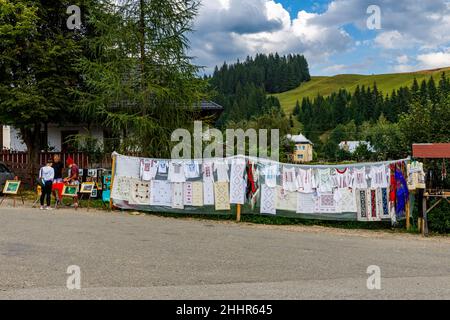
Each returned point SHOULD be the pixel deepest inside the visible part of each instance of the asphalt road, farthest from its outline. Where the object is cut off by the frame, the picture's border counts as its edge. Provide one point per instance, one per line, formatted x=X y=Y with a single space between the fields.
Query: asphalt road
x=144 y=257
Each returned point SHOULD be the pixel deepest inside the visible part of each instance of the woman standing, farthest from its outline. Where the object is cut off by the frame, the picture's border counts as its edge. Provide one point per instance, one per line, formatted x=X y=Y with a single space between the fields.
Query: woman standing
x=47 y=174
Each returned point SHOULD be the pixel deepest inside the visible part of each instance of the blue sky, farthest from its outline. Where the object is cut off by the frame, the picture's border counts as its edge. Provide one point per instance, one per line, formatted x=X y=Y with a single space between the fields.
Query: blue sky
x=333 y=35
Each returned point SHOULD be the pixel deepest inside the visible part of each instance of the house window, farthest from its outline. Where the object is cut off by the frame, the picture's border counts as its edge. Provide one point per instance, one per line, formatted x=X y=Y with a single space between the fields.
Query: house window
x=300 y=157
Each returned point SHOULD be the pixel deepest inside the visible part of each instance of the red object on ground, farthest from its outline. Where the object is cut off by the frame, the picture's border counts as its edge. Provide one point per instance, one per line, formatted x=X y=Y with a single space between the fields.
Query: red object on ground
x=432 y=151
x=59 y=188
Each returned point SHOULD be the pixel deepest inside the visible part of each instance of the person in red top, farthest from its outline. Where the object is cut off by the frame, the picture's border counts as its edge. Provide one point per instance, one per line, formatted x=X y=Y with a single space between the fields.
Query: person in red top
x=74 y=176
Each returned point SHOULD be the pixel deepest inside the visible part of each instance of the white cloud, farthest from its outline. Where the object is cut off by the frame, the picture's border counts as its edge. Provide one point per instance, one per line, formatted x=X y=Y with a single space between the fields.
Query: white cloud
x=232 y=29
x=434 y=60
x=403 y=59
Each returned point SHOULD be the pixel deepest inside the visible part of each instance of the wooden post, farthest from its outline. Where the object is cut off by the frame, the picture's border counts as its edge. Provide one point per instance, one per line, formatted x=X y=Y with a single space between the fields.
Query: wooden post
x=425 y=217
x=113 y=173
x=238 y=213
x=408 y=215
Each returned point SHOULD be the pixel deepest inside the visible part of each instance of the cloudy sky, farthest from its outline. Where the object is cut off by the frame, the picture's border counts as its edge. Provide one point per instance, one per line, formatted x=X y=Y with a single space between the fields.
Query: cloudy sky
x=333 y=35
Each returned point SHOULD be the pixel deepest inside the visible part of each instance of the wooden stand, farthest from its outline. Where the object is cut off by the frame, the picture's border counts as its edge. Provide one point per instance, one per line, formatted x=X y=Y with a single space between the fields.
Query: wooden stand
x=408 y=215
x=14 y=199
x=113 y=173
x=238 y=213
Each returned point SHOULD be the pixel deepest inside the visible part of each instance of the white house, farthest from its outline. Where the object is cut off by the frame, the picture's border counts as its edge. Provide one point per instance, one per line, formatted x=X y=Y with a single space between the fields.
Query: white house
x=351 y=146
x=57 y=139
x=303 y=150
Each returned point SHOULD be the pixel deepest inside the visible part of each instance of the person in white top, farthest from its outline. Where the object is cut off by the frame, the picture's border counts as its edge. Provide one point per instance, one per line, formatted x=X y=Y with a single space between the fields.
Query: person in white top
x=47 y=175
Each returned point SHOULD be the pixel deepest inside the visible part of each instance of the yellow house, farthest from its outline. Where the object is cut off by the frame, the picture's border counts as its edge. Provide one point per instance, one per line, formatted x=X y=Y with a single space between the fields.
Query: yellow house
x=303 y=150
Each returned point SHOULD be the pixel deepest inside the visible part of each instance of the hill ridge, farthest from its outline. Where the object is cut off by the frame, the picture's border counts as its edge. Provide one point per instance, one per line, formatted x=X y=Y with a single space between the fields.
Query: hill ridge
x=326 y=85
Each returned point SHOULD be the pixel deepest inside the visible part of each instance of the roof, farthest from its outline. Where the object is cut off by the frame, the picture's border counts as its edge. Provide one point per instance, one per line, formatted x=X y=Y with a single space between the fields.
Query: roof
x=209 y=105
x=299 y=139
x=432 y=151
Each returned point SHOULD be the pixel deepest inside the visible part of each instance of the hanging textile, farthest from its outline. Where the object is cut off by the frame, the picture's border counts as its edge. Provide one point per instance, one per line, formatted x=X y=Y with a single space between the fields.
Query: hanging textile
x=207 y=170
x=345 y=199
x=383 y=203
x=161 y=193
x=163 y=167
x=139 y=193
x=208 y=193
x=402 y=193
x=325 y=184
x=271 y=173
x=379 y=177
x=177 y=196
x=306 y=203
x=148 y=170
x=326 y=203
x=416 y=176
x=306 y=181
x=342 y=178
x=286 y=200
x=373 y=205
x=289 y=179
x=197 y=191
x=359 y=179
x=362 y=202
x=237 y=182
x=268 y=200
x=121 y=189
x=176 y=172
x=222 y=197
x=252 y=183
x=191 y=170
x=188 y=193
x=221 y=168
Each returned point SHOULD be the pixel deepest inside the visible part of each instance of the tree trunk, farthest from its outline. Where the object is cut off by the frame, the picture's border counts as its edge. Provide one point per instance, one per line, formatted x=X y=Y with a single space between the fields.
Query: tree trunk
x=31 y=139
x=142 y=49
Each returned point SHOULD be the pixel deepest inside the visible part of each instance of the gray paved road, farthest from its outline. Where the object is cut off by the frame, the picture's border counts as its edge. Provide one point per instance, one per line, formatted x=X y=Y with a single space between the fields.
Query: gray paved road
x=145 y=257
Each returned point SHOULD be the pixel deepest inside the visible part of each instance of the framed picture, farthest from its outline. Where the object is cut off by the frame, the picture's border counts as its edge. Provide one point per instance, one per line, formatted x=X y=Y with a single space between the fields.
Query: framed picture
x=87 y=187
x=92 y=173
x=94 y=193
x=70 y=191
x=11 y=187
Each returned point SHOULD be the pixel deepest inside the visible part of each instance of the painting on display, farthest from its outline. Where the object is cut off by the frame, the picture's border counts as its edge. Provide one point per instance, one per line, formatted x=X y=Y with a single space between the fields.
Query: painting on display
x=11 y=187
x=70 y=191
x=87 y=187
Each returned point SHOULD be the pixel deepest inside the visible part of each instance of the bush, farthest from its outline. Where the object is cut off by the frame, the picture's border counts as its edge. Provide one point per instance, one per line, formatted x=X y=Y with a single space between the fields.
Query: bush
x=439 y=218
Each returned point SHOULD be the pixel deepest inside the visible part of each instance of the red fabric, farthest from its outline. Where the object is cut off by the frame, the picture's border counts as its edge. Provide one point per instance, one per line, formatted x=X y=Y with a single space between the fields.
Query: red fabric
x=58 y=187
x=251 y=180
x=393 y=184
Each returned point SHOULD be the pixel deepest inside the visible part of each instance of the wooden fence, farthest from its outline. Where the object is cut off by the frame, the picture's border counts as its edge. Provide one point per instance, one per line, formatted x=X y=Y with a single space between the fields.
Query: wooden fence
x=18 y=162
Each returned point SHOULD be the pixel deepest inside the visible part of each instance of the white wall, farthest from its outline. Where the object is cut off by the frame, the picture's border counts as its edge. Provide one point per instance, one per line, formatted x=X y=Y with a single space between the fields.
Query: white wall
x=12 y=141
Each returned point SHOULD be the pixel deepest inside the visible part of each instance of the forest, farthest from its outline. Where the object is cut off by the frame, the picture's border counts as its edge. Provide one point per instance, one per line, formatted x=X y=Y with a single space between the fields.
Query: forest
x=392 y=123
x=242 y=88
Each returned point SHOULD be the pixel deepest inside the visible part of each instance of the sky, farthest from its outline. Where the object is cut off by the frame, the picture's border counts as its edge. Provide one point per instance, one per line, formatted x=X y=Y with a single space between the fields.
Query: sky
x=336 y=37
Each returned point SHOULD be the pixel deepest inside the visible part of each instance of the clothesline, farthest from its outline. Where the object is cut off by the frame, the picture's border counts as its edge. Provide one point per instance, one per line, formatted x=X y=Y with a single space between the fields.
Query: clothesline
x=269 y=161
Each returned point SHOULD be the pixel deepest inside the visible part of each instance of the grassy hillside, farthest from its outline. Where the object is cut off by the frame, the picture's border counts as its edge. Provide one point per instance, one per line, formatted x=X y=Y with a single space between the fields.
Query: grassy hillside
x=327 y=85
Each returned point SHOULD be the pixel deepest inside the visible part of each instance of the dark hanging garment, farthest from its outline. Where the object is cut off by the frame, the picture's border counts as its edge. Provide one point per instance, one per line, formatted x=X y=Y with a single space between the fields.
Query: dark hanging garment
x=402 y=193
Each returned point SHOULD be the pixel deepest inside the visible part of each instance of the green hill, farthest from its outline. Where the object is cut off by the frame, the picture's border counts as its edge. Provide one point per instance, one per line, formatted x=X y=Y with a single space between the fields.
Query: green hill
x=327 y=85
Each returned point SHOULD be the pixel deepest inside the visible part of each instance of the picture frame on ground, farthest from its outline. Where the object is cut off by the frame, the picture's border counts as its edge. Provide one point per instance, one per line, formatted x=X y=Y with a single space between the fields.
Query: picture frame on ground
x=87 y=187
x=12 y=187
x=70 y=191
